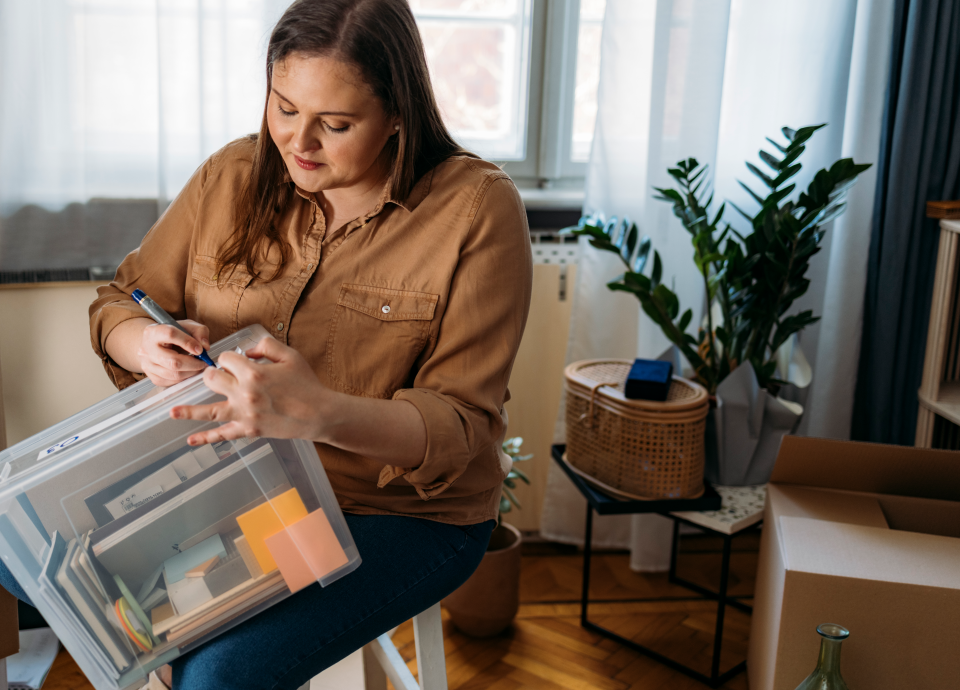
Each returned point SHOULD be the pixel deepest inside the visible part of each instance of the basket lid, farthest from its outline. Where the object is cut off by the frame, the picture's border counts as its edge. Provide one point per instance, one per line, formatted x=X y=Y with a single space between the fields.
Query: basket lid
x=586 y=374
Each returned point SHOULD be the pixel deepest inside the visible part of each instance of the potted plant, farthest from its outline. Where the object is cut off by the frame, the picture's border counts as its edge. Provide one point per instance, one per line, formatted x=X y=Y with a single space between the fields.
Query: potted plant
x=743 y=350
x=488 y=601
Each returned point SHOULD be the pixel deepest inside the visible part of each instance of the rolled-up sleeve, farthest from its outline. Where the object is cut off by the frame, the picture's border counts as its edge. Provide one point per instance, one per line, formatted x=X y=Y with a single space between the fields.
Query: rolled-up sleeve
x=462 y=386
x=158 y=267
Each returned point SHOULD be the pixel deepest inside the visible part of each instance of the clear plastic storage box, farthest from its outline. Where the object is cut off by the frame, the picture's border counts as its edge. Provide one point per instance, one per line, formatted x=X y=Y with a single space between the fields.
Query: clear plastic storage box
x=137 y=548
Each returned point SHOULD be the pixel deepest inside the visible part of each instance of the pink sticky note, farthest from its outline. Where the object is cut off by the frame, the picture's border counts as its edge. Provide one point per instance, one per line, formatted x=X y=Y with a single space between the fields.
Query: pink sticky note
x=306 y=550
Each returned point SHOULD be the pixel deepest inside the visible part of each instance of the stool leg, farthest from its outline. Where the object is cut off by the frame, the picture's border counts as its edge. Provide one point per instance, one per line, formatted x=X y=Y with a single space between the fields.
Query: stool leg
x=374 y=677
x=721 y=609
x=431 y=662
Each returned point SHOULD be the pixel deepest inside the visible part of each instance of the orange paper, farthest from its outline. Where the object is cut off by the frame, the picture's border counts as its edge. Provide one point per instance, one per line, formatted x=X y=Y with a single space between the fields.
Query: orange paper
x=268 y=519
x=306 y=550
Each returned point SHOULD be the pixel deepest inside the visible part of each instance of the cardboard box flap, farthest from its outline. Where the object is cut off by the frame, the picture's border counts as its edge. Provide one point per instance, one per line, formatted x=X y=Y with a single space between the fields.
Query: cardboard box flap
x=868 y=467
x=925 y=515
x=820 y=504
x=869 y=553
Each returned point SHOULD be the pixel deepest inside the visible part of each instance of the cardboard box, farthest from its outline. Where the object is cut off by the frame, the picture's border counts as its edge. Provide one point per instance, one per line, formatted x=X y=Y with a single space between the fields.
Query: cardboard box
x=866 y=536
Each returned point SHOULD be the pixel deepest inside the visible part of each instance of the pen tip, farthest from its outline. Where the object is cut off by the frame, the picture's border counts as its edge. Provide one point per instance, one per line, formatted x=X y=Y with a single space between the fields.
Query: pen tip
x=138 y=295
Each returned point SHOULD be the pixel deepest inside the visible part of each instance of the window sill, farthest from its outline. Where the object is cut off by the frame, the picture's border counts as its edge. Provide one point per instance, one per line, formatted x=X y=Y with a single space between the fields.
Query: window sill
x=536 y=198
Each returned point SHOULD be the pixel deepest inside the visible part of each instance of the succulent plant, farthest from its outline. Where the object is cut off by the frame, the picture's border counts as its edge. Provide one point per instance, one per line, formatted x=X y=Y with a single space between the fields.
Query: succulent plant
x=507 y=499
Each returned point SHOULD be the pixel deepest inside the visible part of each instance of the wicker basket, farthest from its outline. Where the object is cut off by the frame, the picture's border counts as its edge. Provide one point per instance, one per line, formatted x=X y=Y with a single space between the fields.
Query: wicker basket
x=645 y=448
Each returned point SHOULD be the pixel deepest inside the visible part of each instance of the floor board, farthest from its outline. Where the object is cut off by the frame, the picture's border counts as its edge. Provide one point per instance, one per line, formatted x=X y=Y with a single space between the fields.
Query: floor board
x=546 y=649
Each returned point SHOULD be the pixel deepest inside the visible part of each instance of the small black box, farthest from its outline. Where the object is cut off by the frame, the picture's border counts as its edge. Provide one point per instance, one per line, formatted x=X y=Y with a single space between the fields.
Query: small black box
x=649 y=379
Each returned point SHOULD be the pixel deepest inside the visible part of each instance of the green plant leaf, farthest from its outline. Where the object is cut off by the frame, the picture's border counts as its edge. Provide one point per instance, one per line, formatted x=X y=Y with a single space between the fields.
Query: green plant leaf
x=777 y=146
x=685 y=320
x=776 y=197
x=770 y=160
x=756 y=197
x=697 y=174
x=792 y=155
x=631 y=242
x=643 y=252
x=767 y=180
x=622 y=287
x=514 y=472
x=657 y=269
x=512 y=497
x=786 y=174
x=669 y=300
x=804 y=133
x=636 y=279
x=669 y=195
x=742 y=213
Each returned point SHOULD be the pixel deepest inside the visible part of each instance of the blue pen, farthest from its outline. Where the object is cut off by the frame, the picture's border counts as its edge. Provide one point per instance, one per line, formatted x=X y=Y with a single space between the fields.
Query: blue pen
x=160 y=316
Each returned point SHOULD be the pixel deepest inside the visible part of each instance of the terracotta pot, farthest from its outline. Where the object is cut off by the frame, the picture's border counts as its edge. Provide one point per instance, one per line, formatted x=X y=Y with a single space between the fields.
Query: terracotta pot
x=486 y=603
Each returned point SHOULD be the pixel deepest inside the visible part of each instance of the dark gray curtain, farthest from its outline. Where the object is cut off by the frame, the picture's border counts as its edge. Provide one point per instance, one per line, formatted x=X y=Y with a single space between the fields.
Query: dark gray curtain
x=919 y=161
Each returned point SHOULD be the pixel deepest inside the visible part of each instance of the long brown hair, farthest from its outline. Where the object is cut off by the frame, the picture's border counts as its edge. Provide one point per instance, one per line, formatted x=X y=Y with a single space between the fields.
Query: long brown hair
x=380 y=38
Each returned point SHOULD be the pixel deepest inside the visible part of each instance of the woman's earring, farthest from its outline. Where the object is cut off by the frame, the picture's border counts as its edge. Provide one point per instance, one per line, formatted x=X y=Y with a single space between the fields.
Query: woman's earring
x=397 y=127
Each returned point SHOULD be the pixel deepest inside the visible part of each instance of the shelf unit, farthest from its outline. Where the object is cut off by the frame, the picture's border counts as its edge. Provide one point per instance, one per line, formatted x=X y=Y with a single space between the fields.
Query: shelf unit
x=938 y=420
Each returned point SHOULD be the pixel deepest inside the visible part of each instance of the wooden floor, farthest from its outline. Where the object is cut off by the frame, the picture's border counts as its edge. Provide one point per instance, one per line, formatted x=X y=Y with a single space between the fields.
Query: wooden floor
x=546 y=649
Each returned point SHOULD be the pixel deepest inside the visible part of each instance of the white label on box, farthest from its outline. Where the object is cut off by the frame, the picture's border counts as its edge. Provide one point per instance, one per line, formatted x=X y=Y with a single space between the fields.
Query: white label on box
x=164 y=479
x=133 y=500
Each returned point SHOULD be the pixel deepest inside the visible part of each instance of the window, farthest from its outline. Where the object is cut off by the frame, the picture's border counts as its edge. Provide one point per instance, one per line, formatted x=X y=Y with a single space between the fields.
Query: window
x=479 y=59
x=112 y=104
x=516 y=80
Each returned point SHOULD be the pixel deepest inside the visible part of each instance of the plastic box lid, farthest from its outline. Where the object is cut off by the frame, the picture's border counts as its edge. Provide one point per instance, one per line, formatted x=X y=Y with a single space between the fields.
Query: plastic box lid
x=137 y=548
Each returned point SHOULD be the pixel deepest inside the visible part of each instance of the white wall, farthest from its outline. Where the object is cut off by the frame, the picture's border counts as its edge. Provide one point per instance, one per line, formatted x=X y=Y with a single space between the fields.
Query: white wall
x=48 y=368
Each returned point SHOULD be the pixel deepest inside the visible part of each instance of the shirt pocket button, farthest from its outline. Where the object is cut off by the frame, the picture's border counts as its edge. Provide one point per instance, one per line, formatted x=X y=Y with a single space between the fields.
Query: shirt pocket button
x=385 y=308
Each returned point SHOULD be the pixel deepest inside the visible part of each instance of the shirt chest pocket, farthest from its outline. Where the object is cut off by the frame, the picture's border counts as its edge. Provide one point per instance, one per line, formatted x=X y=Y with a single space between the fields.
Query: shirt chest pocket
x=376 y=337
x=217 y=298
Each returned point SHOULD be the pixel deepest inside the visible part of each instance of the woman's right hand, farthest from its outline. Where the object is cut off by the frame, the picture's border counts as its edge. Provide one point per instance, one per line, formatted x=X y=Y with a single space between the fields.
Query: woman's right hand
x=165 y=352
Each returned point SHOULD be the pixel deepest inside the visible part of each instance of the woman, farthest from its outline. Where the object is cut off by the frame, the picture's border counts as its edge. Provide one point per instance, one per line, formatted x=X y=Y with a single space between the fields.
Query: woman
x=394 y=272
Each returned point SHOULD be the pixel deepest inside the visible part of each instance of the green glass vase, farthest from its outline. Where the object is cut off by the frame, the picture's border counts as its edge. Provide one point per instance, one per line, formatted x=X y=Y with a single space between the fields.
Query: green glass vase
x=826 y=676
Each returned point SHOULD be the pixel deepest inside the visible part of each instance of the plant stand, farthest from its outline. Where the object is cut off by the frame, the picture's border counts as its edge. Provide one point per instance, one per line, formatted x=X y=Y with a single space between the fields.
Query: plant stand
x=686 y=511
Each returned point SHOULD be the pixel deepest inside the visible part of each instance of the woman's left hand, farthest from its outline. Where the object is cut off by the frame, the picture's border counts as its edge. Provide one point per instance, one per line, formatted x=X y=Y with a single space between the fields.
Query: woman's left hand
x=277 y=398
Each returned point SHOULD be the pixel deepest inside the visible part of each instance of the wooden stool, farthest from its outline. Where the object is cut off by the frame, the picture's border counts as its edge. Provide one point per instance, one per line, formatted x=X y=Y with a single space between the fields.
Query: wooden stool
x=381 y=660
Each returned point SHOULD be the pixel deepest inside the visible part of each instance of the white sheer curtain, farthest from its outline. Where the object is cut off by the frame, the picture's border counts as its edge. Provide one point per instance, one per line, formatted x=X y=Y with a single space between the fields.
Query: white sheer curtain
x=124 y=98
x=710 y=79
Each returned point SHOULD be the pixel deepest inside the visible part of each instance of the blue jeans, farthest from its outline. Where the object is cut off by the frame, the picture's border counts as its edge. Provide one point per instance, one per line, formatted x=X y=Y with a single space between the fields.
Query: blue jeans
x=409 y=564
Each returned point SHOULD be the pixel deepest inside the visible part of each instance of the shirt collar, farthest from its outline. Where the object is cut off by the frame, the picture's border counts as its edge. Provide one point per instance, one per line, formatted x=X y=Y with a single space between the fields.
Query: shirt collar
x=416 y=196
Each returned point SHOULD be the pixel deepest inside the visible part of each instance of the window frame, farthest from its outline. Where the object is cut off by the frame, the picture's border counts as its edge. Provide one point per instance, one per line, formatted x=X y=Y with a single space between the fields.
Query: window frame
x=550 y=101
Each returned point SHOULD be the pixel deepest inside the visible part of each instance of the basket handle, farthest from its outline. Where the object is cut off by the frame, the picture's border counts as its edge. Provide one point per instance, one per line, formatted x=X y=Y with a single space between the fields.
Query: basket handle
x=588 y=415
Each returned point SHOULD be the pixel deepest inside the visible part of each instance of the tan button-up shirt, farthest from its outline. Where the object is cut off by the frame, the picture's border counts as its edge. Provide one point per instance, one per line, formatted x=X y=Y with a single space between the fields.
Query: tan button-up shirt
x=423 y=299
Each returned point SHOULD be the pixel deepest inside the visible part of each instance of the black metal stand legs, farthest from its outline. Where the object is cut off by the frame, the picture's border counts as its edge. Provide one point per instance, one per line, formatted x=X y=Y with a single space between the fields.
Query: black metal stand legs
x=715 y=679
